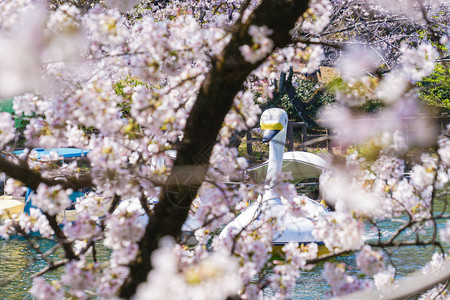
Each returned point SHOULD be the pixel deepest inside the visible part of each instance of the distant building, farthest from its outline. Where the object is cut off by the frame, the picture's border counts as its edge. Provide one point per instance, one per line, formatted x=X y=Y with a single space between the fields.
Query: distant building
x=323 y=75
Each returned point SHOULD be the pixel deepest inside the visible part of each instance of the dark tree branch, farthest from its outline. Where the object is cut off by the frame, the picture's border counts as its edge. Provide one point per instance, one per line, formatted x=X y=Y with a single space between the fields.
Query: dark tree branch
x=331 y=44
x=51 y=267
x=32 y=178
x=286 y=87
x=61 y=237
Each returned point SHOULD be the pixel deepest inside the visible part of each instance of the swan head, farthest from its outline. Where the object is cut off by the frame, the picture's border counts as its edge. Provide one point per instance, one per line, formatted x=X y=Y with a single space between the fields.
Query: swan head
x=273 y=121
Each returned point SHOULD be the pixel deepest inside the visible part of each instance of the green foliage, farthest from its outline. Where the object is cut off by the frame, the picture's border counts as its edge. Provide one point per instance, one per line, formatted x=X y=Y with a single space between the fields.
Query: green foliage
x=364 y=91
x=372 y=105
x=132 y=130
x=307 y=89
x=435 y=88
x=6 y=105
x=22 y=122
x=119 y=90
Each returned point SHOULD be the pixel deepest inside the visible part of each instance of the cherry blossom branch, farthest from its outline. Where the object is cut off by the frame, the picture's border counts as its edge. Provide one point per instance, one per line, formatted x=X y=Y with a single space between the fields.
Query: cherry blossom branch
x=242 y=230
x=36 y=248
x=143 y=201
x=328 y=256
x=314 y=41
x=434 y=37
x=407 y=244
x=61 y=237
x=375 y=22
x=179 y=84
x=112 y=208
x=228 y=72
x=383 y=245
x=52 y=267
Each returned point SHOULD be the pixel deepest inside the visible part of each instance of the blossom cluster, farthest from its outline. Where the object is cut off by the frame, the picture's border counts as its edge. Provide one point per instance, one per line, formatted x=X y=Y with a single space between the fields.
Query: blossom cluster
x=34 y=222
x=317 y=16
x=7 y=130
x=371 y=262
x=124 y=228
x=43 y=290
x=285 y=272
x=52 y=200
x=340 y=231
x=202 y=280
x=262 y=44
x=341 y=283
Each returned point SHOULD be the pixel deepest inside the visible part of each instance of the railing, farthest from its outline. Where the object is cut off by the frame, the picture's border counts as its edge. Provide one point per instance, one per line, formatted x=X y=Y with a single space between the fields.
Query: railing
x=410 y=286
x=308 y=139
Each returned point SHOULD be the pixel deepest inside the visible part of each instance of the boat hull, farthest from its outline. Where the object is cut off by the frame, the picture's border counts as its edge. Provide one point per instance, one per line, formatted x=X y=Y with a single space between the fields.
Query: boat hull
x=11 y=206
x=277 y=249
x=301 y=165
x=294 y=228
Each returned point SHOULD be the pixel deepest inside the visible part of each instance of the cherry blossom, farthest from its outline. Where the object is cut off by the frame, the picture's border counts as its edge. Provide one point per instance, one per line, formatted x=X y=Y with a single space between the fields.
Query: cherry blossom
x=341 y=283
x=43 y=290
x=419 y=62
x=438 y=293
x=51 y=199
x=262 y=45
x=437 y=261
x=370 y=261
x=340 y=231
x=317 y=17
x=199 y=281
x=78 y=276
x=385 y=278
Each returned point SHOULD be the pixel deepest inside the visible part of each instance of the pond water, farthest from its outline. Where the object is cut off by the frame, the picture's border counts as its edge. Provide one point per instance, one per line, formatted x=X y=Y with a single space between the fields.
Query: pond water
x=16 y=265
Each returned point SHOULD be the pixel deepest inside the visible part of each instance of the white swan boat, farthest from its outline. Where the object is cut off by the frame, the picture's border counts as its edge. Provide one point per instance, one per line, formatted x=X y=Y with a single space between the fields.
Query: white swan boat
x=303 y=166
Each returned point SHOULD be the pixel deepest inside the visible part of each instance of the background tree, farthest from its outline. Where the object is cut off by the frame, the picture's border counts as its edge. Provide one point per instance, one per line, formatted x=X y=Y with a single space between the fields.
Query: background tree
x=301 y=102
x=435 y=88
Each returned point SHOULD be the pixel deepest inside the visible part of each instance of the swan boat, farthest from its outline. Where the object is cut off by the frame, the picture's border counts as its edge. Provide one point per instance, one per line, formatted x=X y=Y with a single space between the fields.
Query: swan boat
x=303 y=166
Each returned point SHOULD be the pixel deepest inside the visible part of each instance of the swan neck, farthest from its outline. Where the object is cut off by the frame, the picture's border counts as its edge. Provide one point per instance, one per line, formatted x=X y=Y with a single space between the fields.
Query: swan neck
x=276 y=151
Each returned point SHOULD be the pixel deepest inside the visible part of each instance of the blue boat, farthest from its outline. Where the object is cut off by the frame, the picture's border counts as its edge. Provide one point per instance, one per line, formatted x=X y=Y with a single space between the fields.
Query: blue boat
x=13 y=205
x=62 y=152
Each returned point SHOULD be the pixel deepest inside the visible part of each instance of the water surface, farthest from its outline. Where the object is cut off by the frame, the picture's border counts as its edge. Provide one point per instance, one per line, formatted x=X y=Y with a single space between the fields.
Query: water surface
x=18 y=262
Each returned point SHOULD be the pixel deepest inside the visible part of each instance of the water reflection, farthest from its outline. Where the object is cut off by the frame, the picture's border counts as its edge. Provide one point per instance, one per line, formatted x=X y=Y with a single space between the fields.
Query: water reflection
x=311 y=285
x=18 y=262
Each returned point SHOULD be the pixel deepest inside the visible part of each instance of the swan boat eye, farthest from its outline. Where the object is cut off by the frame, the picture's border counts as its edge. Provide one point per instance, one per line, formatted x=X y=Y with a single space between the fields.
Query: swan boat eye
x=268 y=135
